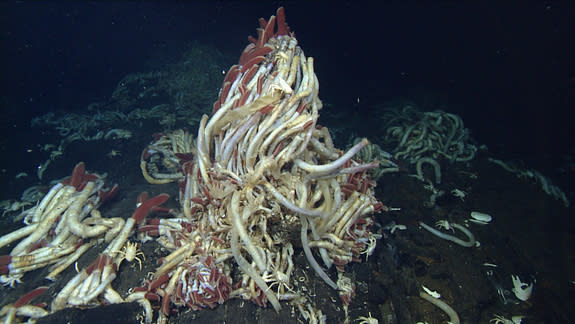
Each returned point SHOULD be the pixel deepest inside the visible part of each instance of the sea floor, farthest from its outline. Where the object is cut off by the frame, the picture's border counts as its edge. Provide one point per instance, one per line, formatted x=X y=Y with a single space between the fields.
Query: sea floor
x=531 y=235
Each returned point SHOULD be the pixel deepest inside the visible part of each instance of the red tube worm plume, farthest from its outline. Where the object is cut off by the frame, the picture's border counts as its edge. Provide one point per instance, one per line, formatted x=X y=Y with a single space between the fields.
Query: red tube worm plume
x=141 y=198
x=5 y=261
x=145 y=205
x=254 y=53
x=29 y=296
x=101 y=261
x=107 y=194
x=156 y=283
x=79 y=177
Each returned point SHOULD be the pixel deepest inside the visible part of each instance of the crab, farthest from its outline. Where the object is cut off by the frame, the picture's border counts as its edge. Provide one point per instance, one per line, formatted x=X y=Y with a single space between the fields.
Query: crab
x=370 y=247
x=114 y=153
x=281 y=280
x=282 y=86
x=281 y=272
x=8 y=206
x=367 y=320
x=130 y=253
x=444 y=224
x=459 y=194
x=11 y=279
x=498 y=319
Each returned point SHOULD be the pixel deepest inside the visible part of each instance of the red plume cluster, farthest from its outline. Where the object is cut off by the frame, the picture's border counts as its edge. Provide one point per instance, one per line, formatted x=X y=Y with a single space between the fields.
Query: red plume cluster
x=255 y=52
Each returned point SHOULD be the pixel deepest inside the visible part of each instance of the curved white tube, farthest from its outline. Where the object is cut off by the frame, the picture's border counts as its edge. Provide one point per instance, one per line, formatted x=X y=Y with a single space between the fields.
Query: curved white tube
x=453 y=317
x=452 y=238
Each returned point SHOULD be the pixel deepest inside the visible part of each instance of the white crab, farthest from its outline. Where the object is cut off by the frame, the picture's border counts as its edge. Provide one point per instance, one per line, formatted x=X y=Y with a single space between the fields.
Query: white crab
x=12 y=206
x=370 y=246
x=282 y=86
x=130 y=253
x=444 y=224
x=367 y=320
x=281 y=280
x=11 y=279
x=459 y=194
x=114 y=153
x=498 y=319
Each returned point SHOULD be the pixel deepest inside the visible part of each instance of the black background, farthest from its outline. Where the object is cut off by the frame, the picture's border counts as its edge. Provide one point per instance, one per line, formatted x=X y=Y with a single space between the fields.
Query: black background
x=506 y=68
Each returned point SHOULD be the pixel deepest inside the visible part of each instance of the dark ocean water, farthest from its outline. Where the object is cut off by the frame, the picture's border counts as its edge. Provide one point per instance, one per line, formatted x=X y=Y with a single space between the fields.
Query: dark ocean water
x=507 y=69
